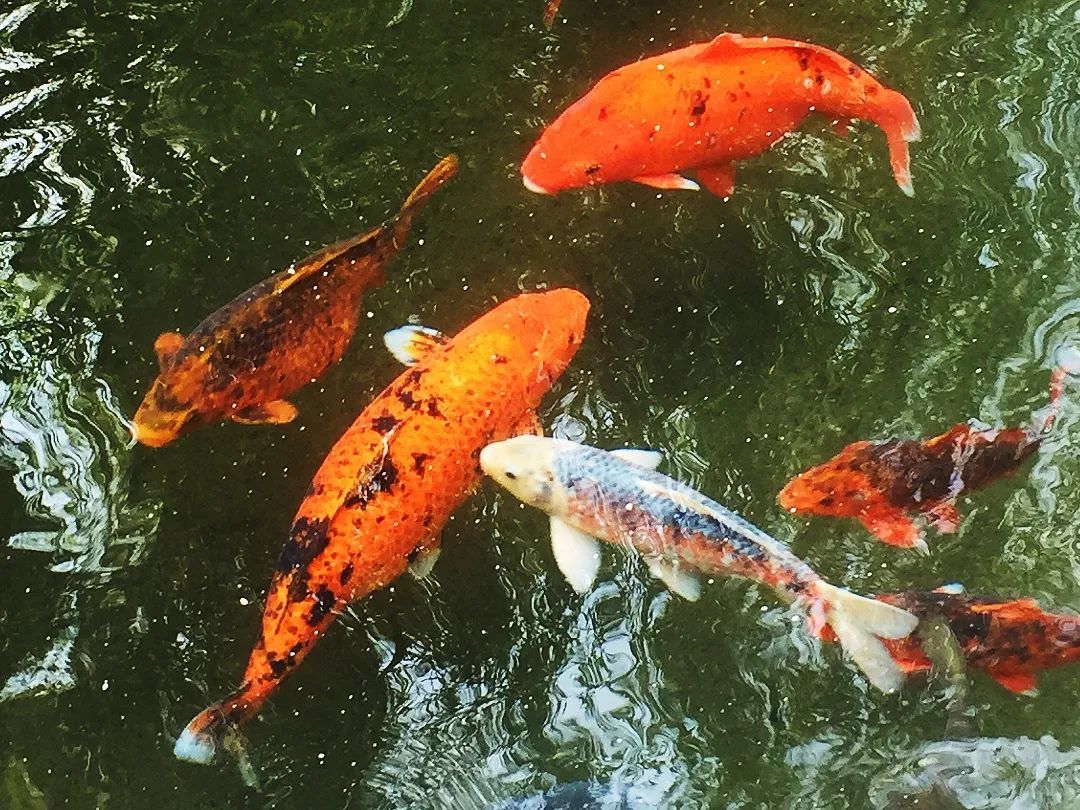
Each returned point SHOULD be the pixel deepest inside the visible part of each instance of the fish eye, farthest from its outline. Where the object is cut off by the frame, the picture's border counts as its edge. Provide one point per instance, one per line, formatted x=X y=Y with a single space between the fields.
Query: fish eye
x=511 y=476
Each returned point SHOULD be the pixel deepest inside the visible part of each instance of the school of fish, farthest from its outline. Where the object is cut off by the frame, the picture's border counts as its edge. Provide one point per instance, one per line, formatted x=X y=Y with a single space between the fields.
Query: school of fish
x=466 y=406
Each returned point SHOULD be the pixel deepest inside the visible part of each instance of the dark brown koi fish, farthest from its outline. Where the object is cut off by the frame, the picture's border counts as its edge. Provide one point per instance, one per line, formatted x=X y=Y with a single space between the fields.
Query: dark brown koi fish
x=276 y=337
x=1009 y=640
x=883 y=483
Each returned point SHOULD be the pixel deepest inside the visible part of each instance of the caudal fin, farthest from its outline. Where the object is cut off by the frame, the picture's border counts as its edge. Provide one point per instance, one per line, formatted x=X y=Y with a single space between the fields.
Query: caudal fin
x=860 y=623
x=200 y=740
x=432 y=182
x=893 y=113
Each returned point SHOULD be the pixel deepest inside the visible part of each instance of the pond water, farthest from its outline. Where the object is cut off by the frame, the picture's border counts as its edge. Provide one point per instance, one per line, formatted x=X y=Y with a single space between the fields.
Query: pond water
x=157 y=158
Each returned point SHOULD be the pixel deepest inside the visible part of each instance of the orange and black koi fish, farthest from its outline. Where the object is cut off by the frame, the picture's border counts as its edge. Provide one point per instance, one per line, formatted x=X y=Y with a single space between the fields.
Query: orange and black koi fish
x=276 y=337
x=883 y=483
x=384 y=491
x=1009 y=640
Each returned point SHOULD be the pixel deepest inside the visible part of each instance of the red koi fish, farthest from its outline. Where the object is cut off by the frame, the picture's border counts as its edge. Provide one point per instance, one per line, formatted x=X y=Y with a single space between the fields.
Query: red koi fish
x=551 y=8
x=273 y=339
x=383 y=493
x=702 y=108
x=1009 y=640
x=883 y=483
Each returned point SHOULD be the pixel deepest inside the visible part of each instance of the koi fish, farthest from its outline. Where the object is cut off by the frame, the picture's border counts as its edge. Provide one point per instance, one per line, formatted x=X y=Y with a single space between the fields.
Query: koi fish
x=381 y=497
x=551 y=8
x=618 y=497
x=1009 y=640
x=883 y=483
x=702 y=108
x=276 y=337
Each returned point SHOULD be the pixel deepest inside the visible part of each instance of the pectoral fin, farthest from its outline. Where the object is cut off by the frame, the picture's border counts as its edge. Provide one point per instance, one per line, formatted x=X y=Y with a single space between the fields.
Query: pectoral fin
x=1019 y=681
x=892 y=526
x=166 y=345
x=424 y=561
x=719 y=179
x=411 y=344
x=944 y=517
x=576 y=553
x=649 y=459
x=679 y=580
x=278 y=412
x=668 y=182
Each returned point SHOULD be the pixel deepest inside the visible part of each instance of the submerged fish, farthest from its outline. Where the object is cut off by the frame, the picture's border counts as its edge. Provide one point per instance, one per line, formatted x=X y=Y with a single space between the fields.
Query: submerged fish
x=551 y=8
x=883 y=483
x=1009 y=640
x=274 y=338
x=618 y=497
x=702 y=108
x=384 y=491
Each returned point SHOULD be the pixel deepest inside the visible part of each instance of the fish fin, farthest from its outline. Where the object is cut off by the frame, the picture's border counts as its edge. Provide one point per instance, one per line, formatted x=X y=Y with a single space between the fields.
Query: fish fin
x=432 y=182
x=277 y=412
x=421 y=567
x=841 y=127
x=679 y=580
x=944 y=517
x=1015 y=680
x=890 y=525
x=528 y=425
x=411 y=344
x=953 y=588
x=724 y=46
x=719 y=179
x=577 y=554
x=680 y=498
x=668 y=182
x=860 y=623
x=201 y=739
x=649 y=459
x=166 y=346
x=892 y=112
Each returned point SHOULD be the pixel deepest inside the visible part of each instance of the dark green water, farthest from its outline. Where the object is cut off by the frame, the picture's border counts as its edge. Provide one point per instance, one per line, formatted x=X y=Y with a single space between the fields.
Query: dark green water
x=158 y=158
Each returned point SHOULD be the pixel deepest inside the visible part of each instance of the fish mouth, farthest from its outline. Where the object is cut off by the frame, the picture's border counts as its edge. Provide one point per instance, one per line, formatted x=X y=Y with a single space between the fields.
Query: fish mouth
x=149 y=436
x=535 y=188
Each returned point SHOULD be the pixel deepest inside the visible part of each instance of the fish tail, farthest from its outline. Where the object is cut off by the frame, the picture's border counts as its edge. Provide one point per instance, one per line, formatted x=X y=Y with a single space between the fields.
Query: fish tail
x=432 y=182
x=892 y=112
x=860 y=623
x=1058 y=377
x=203 y=737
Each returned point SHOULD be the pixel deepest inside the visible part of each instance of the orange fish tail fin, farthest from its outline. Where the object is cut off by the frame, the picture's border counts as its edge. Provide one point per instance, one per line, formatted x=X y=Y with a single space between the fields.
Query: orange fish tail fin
x=202 y=738
x=859 y=624
x=551 y=9
x=432 y=182
x=893 y=113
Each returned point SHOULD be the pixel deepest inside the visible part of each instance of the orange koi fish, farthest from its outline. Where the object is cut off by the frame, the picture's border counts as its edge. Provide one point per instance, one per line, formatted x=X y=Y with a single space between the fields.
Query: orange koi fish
x=276 y=337
x=883 y=483
x=702 y=108
x=1009 y=640
x=383 y=493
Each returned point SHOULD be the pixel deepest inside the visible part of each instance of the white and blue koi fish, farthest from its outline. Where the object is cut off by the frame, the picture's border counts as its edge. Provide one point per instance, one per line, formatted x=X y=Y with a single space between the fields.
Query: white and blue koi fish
x=618 y=497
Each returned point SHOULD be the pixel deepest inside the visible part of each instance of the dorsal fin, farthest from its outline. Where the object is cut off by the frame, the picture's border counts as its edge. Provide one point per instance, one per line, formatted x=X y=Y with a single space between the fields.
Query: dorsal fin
x=410 y=344
x=727 y=45
x=313 y=264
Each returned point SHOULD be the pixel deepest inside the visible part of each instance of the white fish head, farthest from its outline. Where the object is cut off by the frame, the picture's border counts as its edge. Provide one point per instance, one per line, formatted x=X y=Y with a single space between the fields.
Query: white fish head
x=525 y=466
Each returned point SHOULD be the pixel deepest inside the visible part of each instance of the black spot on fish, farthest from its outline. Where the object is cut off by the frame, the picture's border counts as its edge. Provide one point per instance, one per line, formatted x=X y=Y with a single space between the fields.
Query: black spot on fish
x=346 y=574
x=419 y=460
x=819 y=78
x=499 y=359
x=307 y=541
x=384 y=423
x=277 y=666
x=381 y=481
x=406 y=398
x=603 y=114
x=164 y=400
x=433 y=409
x=324 y=603
x=591 y=170
x=853 y=71
x=828 y=500
x=708 y=83
x=699 y=100
x=413 y=555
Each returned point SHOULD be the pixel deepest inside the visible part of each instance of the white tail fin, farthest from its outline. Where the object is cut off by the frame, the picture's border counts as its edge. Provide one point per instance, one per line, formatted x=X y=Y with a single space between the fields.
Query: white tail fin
x=860 y=623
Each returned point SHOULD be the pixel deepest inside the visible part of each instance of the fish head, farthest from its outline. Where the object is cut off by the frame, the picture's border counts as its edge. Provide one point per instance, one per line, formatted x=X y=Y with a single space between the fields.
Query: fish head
x=590 y=143
x=542 y=332
x=837 y=488
x=525 y=466
x=162 y=417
